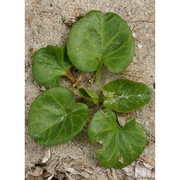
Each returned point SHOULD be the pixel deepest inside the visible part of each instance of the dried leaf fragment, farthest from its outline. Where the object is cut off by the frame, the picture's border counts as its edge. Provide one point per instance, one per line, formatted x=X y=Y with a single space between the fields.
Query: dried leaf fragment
x=121 y=159
x=38 y=171
x=141 y=171
x=47 y=156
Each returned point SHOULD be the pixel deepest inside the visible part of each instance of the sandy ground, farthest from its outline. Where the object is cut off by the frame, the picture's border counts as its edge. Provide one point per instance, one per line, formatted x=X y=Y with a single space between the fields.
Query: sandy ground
x=47 y=23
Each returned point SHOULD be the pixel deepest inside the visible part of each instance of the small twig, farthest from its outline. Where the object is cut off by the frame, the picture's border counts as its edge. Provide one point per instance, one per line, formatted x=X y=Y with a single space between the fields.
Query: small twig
x=76 y=84
x=128 y=73
x=71 y=77
x=75 y=81
x=148 y=160
x=142 y=21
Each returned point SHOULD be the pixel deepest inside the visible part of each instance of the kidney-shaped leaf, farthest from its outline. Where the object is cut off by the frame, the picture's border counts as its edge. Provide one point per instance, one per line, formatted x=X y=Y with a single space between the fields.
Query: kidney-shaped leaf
x=98 y=39
x=122 y=95
x=49 y=64
x=89 y=95
x=117 y=146
x=55 y=117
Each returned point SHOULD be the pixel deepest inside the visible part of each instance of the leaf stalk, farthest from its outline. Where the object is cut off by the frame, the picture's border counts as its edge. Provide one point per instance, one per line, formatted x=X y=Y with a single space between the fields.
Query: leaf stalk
x=99 y=73
x=70 y=76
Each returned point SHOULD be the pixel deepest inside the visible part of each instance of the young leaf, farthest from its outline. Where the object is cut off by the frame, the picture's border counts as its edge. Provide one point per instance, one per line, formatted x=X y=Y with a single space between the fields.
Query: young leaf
x=55 y=117
x=122 y=95
x=98 y=39
x=89 y=95
x=120 y=146
x=49 y=64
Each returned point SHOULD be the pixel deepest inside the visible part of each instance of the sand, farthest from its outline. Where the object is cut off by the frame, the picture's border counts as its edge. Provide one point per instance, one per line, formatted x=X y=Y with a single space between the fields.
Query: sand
x=47 y=23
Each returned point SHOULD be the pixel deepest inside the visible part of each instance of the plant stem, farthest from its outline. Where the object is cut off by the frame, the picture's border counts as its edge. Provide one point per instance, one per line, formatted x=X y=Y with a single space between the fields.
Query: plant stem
x=70 y=76
x=99 y=73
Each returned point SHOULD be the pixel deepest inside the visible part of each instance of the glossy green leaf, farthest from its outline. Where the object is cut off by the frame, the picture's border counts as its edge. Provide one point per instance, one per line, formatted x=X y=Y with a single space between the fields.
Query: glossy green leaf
x=123 y=95
x=98 y=39
x=89 y=95
x=118 y=146
x=55 y=117
x=49 y=64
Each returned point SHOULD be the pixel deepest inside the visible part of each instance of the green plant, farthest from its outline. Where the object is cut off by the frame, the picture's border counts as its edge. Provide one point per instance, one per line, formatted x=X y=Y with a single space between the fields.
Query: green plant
x=98 y=39
x=55 y=117
x=122 y=95
x=89 y=95
x=120 y=146
x=49 y=64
